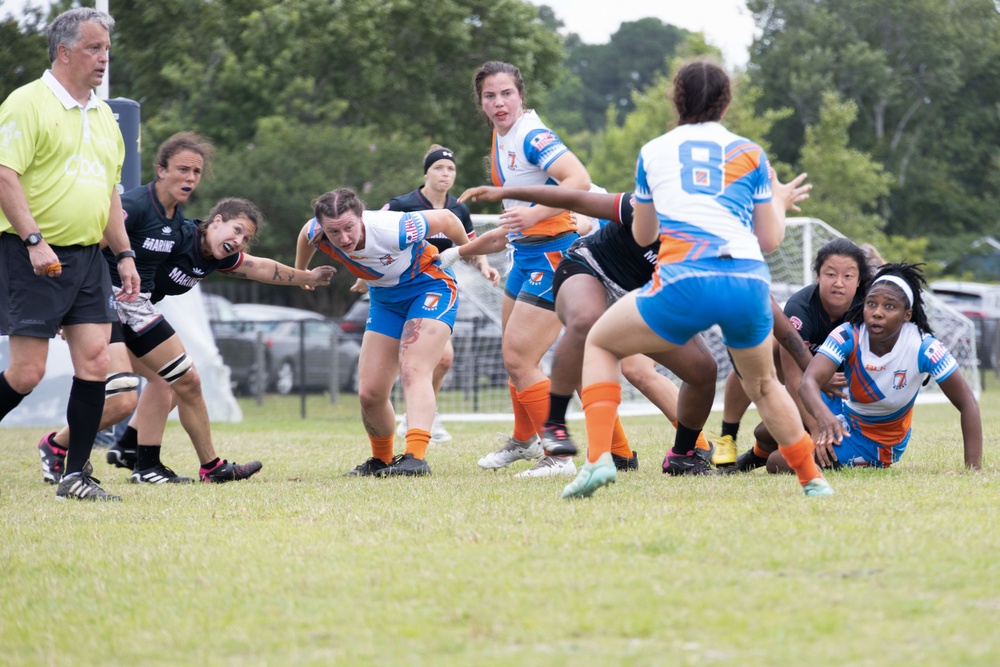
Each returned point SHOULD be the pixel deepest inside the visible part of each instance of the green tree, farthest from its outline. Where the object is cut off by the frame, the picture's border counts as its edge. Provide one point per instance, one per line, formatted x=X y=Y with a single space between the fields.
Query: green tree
x=25 y=52
x=612 y=162
x=289 y=163
x=847 y=183
x=921 y=73
x=603 y=75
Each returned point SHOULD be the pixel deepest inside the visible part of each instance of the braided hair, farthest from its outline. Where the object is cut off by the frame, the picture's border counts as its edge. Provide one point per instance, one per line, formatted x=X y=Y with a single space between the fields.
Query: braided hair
x=913 y=276
x=701 y=93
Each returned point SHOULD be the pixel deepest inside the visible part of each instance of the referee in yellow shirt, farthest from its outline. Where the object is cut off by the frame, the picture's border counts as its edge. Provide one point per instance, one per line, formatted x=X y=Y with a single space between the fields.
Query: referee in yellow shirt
x=61 y=156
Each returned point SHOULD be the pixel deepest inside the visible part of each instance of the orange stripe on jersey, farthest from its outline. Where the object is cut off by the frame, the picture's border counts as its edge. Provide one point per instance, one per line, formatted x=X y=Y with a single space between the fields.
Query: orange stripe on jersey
x=742 y=160
x=557 y=224
x=358 y=270
x=890 y=433
x=680 y=248
x=494 y=165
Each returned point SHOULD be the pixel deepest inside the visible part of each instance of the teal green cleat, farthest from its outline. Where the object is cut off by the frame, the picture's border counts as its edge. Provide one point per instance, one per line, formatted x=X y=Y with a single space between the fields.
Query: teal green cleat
x=591 y=477
x=817 y=487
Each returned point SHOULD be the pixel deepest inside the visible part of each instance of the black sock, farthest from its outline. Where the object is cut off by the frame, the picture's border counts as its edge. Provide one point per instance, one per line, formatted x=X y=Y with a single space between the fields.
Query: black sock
x=129 y=440
x=557 y=409
x=685 y=439
x=83 y=415
x=147 y=456
x=9 y=399
x=211 y=464
x=729 y=428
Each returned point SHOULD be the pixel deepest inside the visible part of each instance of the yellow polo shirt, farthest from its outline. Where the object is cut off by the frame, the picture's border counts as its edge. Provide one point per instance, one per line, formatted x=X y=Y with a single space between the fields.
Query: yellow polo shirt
x=69 y=158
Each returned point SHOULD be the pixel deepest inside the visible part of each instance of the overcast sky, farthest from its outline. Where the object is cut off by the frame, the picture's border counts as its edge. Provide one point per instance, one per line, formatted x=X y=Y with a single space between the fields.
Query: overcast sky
x=726 y=23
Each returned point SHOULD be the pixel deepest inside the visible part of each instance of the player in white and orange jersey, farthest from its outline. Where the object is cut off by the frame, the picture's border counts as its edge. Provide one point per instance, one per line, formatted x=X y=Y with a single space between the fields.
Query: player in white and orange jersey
x=413 y=306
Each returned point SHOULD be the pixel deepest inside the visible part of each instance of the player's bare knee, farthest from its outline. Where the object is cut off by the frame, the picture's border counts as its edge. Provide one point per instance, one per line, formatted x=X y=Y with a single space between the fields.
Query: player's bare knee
x=23 y=378
x=445 y=362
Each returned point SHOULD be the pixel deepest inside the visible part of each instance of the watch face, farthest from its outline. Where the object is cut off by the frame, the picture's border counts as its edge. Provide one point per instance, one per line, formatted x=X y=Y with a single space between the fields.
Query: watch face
x=33 y=239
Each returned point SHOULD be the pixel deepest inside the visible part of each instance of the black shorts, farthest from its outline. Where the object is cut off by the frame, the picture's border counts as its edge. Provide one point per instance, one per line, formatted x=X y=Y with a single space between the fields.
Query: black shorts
x=568 y=268
x=117 y=333
x=142 y=343
x=37 y=306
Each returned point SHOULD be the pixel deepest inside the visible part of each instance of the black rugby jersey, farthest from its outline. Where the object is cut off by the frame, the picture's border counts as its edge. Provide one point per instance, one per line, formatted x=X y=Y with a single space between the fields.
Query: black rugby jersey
x=416 y=201
x=151 y=233
x=629 y=265
x=806 y=312
x=187 y=266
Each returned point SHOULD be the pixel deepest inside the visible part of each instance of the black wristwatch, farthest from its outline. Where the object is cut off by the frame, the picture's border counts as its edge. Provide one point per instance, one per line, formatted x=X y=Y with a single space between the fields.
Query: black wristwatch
x=124 y=254
x=32 y=239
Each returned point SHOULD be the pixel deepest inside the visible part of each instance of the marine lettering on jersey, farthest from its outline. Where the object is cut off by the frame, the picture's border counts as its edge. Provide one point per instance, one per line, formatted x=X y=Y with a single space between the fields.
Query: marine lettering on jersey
x=650 y=257
x=181 y=278
x=158 y=245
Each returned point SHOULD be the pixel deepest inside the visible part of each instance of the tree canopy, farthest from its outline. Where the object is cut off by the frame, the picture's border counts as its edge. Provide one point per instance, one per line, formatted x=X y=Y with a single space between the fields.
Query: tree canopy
x=892 y=106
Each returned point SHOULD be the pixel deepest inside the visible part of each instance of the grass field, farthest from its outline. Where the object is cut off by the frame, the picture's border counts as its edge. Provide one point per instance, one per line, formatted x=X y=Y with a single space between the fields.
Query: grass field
x=300 y=565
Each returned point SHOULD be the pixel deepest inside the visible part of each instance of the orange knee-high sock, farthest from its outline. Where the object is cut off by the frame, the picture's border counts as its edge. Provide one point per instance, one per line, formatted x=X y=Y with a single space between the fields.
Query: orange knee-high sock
x=701 y=442
x=600 y=407
x=382 y=448
x=523 y=428
x=535 y=401
x=619 y=441
x=416 y=442
x=800 y=457
x=758 y=451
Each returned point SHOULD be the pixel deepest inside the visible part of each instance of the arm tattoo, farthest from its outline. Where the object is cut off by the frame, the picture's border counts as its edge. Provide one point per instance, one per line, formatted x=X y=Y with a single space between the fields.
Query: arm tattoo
x=798 y=350
x=277 y=277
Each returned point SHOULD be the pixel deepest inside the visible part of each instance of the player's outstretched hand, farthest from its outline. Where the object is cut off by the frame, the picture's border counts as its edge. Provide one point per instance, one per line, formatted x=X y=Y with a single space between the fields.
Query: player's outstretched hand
x=790 y=193
x=482 y=193
x=319 y=277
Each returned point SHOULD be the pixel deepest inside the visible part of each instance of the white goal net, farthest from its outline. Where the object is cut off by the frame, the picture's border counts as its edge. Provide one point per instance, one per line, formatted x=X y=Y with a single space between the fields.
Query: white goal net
x=476 y=386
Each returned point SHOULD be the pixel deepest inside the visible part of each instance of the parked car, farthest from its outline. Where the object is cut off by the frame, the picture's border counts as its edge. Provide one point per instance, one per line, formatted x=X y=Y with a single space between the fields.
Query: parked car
x=236 y=344
x=285 y=330
x=236 y=326
x=980 y=302
x=477 y=338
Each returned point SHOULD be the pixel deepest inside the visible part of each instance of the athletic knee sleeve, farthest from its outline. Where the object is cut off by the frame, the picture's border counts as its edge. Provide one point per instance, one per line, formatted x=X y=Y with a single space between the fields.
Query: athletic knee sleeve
x=119 y=383
x=173 y=371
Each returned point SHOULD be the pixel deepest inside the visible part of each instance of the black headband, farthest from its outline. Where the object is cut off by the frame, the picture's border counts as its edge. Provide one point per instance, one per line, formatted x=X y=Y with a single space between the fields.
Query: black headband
x=434 y=156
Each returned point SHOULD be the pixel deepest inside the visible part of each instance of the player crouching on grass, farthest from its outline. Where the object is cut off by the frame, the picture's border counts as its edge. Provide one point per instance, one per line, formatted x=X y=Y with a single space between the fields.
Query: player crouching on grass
x=889 y=352
x=414 y=302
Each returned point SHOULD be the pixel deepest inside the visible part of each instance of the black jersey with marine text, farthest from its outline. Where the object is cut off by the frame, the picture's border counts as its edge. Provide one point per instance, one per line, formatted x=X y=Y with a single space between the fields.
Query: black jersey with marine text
x=613 y=246
x=187 y=265
x=152 y=234
x=416 y=201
